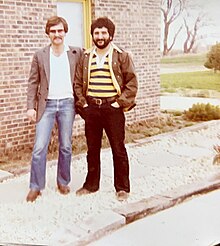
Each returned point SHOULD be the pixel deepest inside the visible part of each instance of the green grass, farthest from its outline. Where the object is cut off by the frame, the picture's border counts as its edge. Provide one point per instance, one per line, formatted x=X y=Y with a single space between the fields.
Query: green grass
x=193 y=80
x=197 y=59
x=201 y=80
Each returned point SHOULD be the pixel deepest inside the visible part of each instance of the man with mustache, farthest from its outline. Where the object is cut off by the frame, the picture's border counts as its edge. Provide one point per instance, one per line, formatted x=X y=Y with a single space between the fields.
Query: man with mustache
x=105 y=87
x=50 y=99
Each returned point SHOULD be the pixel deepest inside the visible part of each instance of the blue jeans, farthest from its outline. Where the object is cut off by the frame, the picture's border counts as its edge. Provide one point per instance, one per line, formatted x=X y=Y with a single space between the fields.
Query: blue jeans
x=62 y=111
x=112 y=120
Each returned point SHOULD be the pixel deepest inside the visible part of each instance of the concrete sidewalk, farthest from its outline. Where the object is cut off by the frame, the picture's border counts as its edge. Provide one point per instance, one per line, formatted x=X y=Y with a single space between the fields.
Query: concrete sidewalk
x=165 y=170
x=184 y=103
x=195 y=222
x=168 y=68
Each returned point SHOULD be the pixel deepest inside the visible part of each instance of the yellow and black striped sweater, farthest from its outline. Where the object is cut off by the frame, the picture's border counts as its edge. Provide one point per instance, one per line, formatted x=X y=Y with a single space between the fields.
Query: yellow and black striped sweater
x=100 y=84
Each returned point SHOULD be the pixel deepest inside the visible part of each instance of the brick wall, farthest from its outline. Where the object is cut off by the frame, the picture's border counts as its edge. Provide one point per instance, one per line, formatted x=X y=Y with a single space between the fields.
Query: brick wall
x=22 y=33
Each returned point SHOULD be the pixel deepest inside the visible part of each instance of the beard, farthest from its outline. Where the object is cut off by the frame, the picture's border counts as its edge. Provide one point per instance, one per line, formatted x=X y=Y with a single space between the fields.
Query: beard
x=104 y=45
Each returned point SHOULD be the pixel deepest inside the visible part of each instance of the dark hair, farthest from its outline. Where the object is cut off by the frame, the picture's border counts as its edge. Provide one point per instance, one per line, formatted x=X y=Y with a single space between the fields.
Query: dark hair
x=55 y=20
x=103 y=22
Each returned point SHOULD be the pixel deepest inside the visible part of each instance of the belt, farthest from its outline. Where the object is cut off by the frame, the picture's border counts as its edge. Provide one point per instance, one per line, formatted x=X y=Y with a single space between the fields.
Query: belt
x=100 y=101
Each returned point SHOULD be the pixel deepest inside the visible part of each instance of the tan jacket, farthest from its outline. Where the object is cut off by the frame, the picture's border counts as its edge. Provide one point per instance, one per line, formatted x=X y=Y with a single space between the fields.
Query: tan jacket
x=122 y=72
x=38 y=82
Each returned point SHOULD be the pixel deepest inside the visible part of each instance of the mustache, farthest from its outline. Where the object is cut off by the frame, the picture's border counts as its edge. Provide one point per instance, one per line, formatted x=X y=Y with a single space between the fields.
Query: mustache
x=57 y=38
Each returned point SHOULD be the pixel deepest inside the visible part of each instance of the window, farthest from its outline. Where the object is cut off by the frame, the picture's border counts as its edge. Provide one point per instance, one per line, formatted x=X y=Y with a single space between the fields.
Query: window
x=77 y=13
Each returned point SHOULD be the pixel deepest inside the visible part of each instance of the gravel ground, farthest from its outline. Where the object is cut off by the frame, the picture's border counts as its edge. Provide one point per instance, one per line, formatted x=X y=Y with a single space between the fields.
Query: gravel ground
x=156 y=167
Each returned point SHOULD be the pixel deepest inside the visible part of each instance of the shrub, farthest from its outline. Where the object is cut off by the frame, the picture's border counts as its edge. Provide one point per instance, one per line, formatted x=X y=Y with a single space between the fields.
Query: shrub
x=213 y=58
x=202 y=112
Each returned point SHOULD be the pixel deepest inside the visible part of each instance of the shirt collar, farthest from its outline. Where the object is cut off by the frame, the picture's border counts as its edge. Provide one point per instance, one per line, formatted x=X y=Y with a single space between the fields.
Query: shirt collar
x=65 y=49
x=94 y=52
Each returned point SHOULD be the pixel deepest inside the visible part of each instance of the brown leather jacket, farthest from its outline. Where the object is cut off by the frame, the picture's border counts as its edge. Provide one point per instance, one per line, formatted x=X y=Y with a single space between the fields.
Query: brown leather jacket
x=122 y=72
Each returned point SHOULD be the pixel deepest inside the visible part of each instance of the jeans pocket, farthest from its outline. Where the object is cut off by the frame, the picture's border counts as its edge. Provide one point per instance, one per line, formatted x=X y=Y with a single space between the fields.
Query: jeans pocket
x=82 y=111
x=70 y=100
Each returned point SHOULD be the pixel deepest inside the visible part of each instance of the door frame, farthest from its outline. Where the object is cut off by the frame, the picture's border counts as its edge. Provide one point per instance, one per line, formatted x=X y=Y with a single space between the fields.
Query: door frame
x=86 y=19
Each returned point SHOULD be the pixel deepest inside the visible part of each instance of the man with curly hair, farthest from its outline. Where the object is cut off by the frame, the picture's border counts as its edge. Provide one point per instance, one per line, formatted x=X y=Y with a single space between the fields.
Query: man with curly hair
x=105 y=87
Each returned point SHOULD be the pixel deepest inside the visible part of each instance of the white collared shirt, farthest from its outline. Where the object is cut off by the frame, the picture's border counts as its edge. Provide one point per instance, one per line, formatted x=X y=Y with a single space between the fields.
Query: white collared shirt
x=60 y=84
x=100 y=60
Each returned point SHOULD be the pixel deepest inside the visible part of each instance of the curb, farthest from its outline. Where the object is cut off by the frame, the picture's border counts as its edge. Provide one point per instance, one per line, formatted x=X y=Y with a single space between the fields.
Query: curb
x=98 y=226
x=158 y=203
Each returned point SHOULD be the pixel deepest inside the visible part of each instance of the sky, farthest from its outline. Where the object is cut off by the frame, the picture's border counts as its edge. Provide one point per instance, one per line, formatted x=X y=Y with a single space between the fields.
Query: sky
x=211 y=31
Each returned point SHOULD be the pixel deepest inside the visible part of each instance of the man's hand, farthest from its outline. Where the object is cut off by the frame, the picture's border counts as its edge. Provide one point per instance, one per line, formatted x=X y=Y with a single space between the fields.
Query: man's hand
x=115 y=105
x=31 y=115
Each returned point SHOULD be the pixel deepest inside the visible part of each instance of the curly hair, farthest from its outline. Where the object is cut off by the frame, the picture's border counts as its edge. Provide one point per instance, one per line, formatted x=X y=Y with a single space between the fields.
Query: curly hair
x=103 y=22
x=55 y=20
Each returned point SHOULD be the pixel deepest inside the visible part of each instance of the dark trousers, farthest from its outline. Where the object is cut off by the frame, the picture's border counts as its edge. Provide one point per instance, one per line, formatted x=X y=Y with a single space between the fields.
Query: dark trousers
x=112 y=120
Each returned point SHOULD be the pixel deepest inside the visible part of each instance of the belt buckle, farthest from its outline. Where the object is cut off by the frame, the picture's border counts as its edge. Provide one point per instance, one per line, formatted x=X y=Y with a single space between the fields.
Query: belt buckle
x=98 y=101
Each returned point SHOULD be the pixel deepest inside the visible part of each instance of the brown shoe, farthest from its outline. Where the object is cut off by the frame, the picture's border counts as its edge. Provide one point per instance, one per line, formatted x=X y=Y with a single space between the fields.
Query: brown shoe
x=32 y=195
x=122 y=195
x=63 y=189
x=83 y=191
